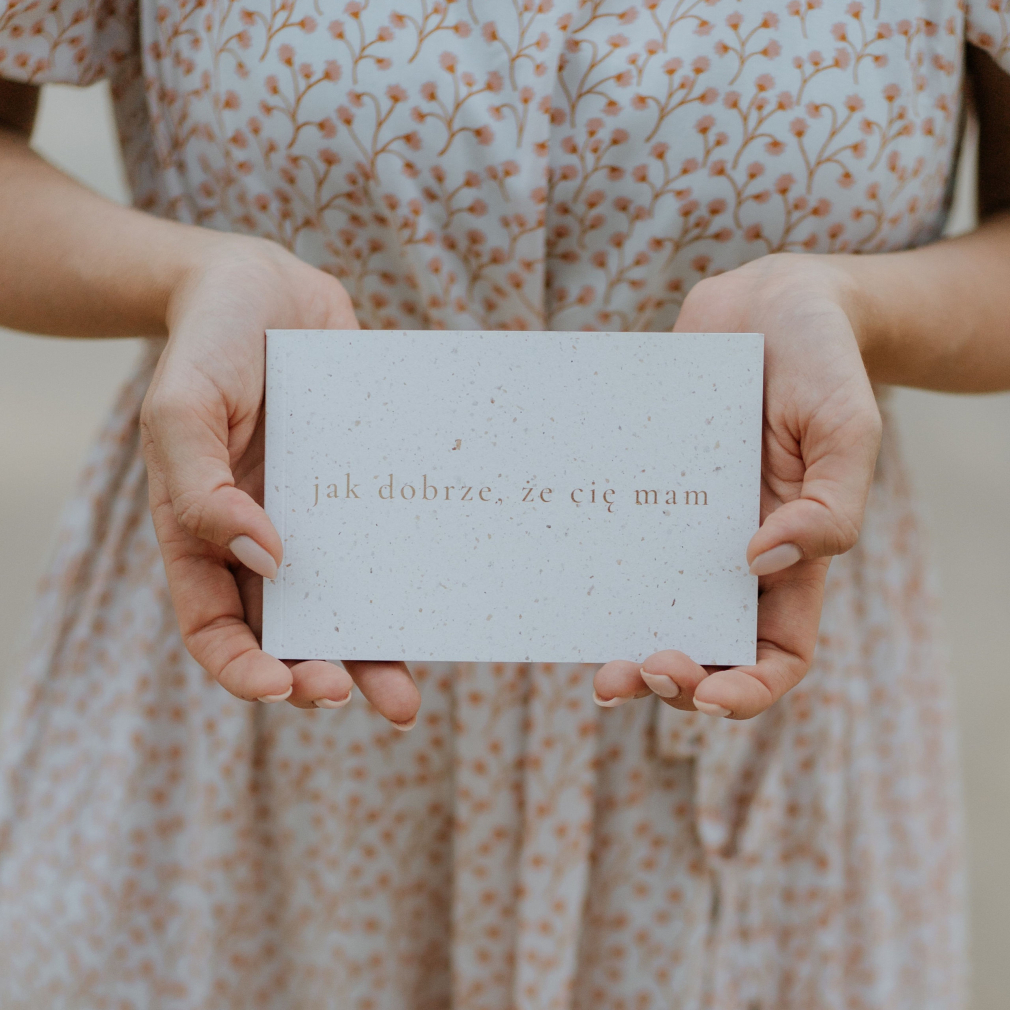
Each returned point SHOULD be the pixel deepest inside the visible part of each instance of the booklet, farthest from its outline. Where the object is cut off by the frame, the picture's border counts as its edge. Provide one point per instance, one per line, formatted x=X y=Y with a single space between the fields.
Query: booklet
x=510 y=497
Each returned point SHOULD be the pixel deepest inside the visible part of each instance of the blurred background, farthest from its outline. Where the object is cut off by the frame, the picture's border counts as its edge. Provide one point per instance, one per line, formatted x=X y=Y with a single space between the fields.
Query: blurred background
x=54 y=394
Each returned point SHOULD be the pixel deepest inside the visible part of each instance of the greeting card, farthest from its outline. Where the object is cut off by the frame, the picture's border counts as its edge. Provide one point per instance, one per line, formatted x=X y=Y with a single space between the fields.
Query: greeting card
x=488 y=496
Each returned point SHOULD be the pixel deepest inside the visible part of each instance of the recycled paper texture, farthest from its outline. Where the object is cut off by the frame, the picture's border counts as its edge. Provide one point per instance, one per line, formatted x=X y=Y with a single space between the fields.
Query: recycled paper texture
x=488 y=496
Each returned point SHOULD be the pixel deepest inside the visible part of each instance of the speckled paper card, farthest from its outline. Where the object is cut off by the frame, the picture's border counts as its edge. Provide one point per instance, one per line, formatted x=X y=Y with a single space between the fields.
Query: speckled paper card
x=549 y=497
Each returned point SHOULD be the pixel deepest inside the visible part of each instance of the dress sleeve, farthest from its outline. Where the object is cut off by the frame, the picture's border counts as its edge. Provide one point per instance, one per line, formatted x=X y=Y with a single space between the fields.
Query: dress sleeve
x=988 y=27
x=66 y=41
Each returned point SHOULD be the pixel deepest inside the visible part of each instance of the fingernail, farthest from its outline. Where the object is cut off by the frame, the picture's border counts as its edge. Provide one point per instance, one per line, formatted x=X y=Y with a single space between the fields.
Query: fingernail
x=330 y=703
x=661 y=684
x=608 y=702
x=254 y=557
x=405 y=727
x=708 y=708
x=269 y=699
x=776 y=559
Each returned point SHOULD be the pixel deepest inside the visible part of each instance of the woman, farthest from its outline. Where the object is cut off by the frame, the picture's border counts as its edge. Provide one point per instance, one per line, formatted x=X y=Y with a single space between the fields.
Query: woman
x=547 y=164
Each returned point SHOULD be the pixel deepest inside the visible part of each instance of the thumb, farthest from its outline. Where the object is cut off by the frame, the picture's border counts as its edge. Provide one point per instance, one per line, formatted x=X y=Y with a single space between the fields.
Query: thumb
x=826 y=517
x=186 y=431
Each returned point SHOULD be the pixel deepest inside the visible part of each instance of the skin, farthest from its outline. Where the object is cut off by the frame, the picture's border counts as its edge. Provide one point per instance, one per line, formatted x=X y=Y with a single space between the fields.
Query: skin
x=75 y=265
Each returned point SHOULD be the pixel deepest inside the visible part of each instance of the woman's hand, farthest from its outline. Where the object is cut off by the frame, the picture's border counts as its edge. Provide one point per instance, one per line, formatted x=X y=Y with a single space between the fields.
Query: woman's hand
x=202 y=428
x=821 y=437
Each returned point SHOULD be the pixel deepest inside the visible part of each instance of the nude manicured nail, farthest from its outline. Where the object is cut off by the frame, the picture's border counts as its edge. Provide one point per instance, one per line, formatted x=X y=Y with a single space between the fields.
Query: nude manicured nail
x=269 y=699
x=330 y=703
x=661 y=684
x=254 y=557
x=708 y=708
x=405 y=727
x=776 y=559
x=608 y=702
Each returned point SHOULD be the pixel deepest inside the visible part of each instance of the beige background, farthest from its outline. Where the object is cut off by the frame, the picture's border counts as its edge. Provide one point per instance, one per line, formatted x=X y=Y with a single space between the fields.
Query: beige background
x=54 y=394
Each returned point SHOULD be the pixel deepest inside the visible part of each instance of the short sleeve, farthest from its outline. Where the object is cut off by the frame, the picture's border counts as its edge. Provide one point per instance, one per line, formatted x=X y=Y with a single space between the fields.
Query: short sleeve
x=66 y=41
x=988 y=27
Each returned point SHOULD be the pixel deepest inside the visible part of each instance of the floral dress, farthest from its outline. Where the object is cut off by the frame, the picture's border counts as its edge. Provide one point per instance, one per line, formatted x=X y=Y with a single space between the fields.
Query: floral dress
x=475 y=164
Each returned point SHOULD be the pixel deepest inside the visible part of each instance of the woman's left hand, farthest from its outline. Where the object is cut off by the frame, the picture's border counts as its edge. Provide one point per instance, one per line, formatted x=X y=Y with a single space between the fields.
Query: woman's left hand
x=821 y=437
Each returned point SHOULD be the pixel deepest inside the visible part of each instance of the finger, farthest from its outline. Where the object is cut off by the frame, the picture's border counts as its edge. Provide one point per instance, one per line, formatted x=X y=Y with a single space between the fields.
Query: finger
x=618 y=682
x=210 y=611
x=191 y=429
x=673 y=676
x=788 y=616
x=825 y=518
x=390 y=688
x=317 y=684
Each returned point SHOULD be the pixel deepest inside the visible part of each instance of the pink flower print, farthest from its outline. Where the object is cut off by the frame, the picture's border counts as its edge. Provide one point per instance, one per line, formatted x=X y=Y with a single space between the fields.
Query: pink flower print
x=855 y=9
x=764 y=82
x=770 y=20
x=798 y=127
x=734 y=20
x=618 y=41
x=354 y=8
x=700 y=64
x=336 y=29
x=784 y=183
x=447 y=61
x=891 y=92
x=484 y=135
x=308 y=24
x=286 y=54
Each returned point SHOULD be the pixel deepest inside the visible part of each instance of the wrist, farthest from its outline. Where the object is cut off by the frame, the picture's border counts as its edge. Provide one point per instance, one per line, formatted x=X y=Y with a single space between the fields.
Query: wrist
x=858 y=281
x=194 y=252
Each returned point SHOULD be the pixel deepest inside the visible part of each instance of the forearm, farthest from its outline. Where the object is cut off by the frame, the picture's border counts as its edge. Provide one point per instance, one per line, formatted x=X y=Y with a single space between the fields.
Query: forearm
x=937 y=317
x=75 y=264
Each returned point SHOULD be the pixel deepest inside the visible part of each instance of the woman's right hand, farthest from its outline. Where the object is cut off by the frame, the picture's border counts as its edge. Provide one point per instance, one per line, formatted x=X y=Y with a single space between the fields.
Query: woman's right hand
x=202 y=430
